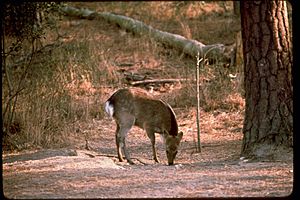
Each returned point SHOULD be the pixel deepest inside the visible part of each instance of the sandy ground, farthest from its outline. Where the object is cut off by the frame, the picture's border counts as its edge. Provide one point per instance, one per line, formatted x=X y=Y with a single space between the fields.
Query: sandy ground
x=217 y=171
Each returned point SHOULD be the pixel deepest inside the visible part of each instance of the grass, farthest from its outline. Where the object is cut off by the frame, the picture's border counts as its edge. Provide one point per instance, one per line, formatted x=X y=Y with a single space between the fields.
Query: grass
x=69 y=82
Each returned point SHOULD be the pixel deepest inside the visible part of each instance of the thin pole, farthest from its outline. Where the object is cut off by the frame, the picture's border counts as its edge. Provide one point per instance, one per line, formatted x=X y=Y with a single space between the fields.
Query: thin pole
x=198 y=100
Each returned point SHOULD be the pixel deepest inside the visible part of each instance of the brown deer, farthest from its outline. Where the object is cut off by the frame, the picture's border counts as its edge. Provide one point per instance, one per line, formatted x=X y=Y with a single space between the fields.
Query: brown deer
x=135 y=107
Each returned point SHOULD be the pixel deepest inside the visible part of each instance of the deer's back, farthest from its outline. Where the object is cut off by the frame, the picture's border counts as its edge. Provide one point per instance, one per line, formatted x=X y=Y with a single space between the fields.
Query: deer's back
x=145 y=109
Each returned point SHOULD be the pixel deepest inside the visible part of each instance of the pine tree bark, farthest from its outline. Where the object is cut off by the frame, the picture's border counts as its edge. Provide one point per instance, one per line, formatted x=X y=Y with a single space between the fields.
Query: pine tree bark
x=268 y=123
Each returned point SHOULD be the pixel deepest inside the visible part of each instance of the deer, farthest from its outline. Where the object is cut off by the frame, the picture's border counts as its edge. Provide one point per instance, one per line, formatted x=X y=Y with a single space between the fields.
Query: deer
x=135 y=107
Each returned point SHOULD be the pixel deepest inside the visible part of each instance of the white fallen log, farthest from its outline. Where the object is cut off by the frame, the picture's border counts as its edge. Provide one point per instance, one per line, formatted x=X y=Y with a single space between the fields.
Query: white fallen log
x=186 y=46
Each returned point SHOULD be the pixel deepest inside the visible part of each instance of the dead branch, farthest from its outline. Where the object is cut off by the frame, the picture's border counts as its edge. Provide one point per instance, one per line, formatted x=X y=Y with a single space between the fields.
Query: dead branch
x=129 y=76
x=134 y=83
x=92 y=153
x=186 y=46
x=112 y=156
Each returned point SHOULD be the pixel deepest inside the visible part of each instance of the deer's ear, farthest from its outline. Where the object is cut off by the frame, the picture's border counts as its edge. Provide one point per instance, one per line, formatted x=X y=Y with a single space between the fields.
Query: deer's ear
x=179 y=136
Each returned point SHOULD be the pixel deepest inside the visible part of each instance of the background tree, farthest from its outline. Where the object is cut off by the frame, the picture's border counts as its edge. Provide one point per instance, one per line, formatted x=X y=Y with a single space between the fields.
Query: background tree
x=236 y=8
x=268 y=124
x=23 y=25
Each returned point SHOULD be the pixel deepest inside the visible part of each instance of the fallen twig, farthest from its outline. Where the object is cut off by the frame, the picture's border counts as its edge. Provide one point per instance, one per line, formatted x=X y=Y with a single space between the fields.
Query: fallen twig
x=112 y=156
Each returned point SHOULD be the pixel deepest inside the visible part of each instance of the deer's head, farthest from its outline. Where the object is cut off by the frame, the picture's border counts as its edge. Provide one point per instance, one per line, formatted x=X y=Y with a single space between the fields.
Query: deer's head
x=172 y=144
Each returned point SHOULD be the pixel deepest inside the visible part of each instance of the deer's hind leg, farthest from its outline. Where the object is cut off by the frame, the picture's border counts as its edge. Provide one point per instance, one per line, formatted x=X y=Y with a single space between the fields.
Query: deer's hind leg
x=118 y=140
x=123 y=126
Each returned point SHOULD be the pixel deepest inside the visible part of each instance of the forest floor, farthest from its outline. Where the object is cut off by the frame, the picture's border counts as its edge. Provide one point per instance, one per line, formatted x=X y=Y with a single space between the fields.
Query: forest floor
x=216 y=171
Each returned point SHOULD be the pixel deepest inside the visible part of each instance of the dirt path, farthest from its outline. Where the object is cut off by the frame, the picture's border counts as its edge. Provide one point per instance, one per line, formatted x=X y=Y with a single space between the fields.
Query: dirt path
x=62 y=174
x=77 y=173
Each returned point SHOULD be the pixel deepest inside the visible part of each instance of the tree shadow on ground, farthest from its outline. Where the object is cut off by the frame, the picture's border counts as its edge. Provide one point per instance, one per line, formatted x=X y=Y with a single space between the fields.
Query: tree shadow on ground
x=39 y=155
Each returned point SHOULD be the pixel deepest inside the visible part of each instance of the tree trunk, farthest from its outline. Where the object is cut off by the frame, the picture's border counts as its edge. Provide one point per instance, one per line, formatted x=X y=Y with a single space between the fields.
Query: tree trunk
x=236 y=8
x=268 y=124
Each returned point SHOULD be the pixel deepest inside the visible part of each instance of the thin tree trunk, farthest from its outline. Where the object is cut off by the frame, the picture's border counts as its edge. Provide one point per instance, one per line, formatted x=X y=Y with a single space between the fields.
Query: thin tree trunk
x=236 y=8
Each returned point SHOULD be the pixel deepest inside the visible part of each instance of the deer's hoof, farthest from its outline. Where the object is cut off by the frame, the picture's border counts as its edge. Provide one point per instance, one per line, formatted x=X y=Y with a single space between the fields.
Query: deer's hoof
x=130 y=162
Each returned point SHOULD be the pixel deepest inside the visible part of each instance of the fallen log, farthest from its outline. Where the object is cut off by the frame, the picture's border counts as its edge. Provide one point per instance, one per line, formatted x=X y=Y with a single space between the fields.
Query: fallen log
x=135 y=83
x=186 y=46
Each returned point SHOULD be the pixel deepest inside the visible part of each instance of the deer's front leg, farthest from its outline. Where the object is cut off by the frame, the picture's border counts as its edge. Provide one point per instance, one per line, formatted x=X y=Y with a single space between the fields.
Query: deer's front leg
x=151 y=136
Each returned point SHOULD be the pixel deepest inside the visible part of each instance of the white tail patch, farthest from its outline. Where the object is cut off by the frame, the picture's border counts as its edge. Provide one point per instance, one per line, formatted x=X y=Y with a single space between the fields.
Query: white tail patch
x=109 y=108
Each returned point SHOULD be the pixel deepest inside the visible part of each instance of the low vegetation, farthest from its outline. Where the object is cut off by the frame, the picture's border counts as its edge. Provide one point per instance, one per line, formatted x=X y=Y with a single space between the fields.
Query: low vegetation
x=66 y=74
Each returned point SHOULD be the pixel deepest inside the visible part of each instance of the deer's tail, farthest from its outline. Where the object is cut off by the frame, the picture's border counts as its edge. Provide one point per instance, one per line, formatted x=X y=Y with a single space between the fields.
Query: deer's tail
x=109 y=108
